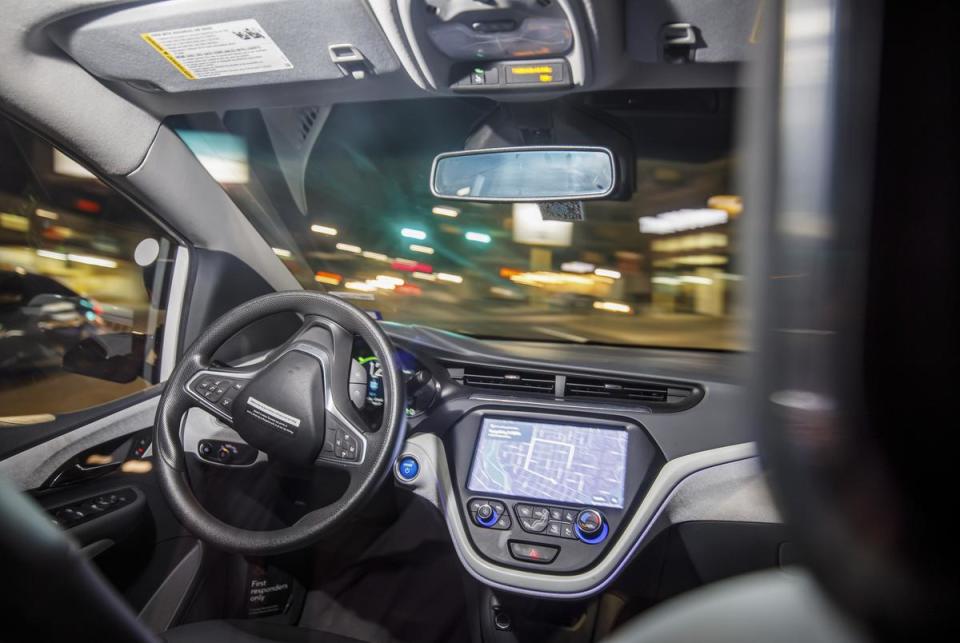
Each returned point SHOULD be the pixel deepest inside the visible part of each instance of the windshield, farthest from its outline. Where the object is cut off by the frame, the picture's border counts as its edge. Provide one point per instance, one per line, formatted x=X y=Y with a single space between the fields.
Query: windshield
x=657 y=269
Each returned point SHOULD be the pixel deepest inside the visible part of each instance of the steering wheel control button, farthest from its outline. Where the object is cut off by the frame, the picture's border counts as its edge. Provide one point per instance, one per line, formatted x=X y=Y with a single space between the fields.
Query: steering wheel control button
x=346 y=446
x=358 y=394
x=533 y=553
x=408 y=468
x=217 y=390
x=590 y=527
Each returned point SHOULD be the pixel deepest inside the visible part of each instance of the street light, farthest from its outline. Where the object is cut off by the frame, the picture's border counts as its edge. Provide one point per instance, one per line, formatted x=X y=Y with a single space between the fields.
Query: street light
x=413 y=233
x=479 y=237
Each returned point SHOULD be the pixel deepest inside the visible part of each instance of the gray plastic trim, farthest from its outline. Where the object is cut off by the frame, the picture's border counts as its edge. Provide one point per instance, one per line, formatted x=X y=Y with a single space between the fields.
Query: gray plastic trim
x=434 y=483
x=162 y=608
x=175 y=310
x=29 y=469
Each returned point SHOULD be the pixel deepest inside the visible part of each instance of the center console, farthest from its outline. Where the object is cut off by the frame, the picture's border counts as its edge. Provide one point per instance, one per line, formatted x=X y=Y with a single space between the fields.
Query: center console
x=549 y=504
x=547 y=493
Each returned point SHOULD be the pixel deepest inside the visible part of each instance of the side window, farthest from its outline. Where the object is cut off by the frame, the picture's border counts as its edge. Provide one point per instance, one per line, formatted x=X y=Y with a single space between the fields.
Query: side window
x=83 y=275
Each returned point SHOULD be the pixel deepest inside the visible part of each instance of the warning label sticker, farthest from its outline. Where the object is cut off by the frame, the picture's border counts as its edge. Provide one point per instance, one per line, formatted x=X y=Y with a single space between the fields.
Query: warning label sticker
x=218 y=50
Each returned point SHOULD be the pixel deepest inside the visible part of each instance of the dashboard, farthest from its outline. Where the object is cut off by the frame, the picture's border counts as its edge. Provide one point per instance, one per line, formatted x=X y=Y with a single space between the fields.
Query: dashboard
x=552 y=465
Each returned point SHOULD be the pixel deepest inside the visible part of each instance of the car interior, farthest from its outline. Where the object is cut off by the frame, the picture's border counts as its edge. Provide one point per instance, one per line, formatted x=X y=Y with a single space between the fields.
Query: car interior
x=493 y=321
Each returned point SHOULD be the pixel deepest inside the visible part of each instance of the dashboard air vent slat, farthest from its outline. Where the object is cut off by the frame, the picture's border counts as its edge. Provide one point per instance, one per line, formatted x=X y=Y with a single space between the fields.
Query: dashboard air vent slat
x=510 y=380
x=625 y=390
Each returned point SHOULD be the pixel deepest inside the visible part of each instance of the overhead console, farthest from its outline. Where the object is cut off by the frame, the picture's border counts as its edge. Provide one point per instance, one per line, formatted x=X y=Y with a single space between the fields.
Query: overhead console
x=493 y=46
x=692 y=31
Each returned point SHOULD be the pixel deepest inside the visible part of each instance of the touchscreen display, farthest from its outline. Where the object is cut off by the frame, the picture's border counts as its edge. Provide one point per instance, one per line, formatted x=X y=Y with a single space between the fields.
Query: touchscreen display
x=576 y=464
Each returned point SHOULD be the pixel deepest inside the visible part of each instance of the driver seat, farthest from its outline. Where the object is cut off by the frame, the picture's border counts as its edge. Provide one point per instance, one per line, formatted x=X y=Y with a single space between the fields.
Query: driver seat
x=51 y=592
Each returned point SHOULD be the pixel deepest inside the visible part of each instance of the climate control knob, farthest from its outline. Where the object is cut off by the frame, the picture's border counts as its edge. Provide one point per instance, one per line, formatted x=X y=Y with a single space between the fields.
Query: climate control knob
x=590 y=527
x=487 y=515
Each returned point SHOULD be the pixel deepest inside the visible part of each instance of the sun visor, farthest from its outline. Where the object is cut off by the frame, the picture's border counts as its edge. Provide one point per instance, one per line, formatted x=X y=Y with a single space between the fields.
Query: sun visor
x=186 y=45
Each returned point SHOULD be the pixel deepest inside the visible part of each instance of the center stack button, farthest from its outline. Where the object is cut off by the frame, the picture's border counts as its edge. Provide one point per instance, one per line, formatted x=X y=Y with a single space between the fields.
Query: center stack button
x=533 y=519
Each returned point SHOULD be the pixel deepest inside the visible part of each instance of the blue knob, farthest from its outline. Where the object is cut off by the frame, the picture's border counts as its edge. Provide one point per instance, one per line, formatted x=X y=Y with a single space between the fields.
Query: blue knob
x=490 y=520
x=408 y=468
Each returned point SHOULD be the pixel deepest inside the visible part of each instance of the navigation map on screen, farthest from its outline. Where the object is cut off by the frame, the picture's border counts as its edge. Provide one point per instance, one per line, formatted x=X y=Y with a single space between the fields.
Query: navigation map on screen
x=564 y=463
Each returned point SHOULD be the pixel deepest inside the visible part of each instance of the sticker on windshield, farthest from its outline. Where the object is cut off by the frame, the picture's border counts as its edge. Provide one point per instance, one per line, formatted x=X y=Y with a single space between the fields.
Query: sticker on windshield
x=561 y=211
x=218 y=50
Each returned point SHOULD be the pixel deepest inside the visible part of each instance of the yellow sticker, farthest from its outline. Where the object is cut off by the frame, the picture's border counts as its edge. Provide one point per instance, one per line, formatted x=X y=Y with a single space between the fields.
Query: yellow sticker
x=170 y=58
x=218 y=50
x=543 y=69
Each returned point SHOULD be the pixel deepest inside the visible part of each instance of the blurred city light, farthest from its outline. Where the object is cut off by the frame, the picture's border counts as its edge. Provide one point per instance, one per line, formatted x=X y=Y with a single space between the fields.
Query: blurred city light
x=413 y=233
x=606 y=272
x=14 y=222
x=479 y=237
x=612 y=306
x=575 y=266
x=693 y=279
x=730 y=203
x=84 y=259
x=408 y=265
x=47 y=214
x=427 y=250
x=349 y=247
x=454 y=279
x=546 y=278
x=426 y=276
x=282 y=252
x=387 y=279
x=445 y=211
x=530 y=228
x=680 y=220
x=323 y=229
x=377 y=256
x=330 y=278
x=362 y=286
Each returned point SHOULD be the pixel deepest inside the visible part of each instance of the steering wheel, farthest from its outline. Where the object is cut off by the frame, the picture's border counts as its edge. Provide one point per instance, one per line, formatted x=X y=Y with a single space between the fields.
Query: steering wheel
x=294 y=406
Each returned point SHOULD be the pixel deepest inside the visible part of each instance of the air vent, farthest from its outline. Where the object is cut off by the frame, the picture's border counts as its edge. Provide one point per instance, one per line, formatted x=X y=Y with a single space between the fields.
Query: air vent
x=509 y=380
x=658 y=396
x=653 y=393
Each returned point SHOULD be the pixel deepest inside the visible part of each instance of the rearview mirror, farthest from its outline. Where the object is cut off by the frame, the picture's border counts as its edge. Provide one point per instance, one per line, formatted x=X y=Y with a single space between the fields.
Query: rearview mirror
x=518 y=174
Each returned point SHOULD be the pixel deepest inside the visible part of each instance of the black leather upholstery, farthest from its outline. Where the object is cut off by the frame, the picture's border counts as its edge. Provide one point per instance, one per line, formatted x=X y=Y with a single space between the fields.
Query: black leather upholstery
x=248 y=632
